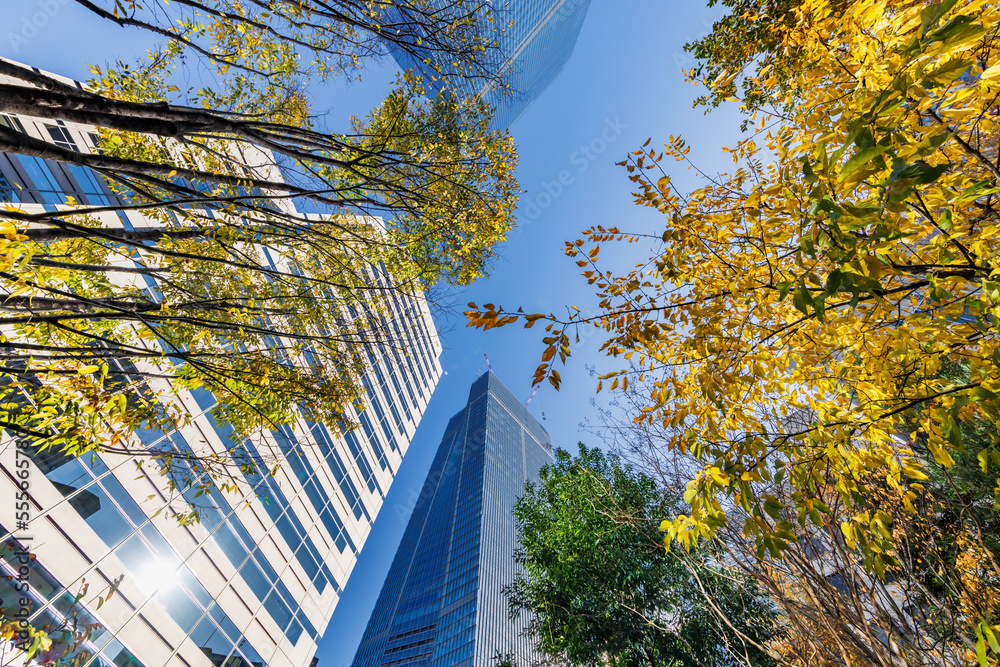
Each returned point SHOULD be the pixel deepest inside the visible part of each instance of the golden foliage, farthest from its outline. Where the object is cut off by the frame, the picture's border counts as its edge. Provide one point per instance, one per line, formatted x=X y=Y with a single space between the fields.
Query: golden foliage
x=853 y=248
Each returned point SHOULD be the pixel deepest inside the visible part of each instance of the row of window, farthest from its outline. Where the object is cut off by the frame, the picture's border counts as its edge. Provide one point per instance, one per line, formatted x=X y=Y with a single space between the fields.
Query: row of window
x=456 y=649
x=30 y=180
x=373 y=438
x=336 y=465
x=218 y=517
x=289 y=526
x=414 y=661
x=412 y=349
x=406 y=382
x=376 y=404
x=361 y=459
x=390 y=397
x=398 y=393
x=322 y=502
x=409 y=312
x=457 y=620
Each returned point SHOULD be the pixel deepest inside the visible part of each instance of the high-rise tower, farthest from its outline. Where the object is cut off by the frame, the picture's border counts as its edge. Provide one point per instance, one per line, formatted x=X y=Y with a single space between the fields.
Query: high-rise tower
x=442 y=602
x=535 y=40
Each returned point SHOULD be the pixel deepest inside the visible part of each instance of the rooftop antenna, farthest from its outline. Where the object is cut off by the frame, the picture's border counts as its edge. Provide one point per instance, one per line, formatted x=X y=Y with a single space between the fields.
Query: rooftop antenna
x=487 y=361
x=532 y=395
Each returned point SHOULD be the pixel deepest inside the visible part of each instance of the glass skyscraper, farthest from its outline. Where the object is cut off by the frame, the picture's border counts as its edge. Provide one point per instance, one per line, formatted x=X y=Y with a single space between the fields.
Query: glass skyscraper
x=442 y=603
x=256 y=580
x=532 y=52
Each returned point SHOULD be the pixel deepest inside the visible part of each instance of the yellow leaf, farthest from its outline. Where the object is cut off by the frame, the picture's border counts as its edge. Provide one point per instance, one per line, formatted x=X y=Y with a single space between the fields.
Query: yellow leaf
x=991 y=74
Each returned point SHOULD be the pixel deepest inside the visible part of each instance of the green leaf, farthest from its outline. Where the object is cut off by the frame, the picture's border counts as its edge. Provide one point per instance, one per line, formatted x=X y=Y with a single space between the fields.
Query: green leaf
x=932 y=15
x=952 y=431
x=864 y=138
x=945 y=221
x=807 y=172
x=947 y=72
x=879 y=568
x=860 y=159
x=977 y=190
x=819 y=304
x=956 y=28
x=785 y=285
x=981 y=647
x=802 y=299
x=785 y=534
x=773 y=508
x=991 y=638
x=833 y=282
x=921 y=172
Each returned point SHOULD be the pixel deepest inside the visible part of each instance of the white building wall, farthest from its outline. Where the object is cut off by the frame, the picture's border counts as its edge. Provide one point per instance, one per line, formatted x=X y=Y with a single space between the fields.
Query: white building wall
x=138 y=616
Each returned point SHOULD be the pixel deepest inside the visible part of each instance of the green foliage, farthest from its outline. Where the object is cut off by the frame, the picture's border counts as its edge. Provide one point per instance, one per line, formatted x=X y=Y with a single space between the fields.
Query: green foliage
x=599 y=587
x=745 y=46
x=751 y=29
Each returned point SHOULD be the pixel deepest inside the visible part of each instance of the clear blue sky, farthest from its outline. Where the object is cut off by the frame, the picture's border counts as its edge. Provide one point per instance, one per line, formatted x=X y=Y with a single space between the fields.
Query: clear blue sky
x=624 y=83
x=622 y=86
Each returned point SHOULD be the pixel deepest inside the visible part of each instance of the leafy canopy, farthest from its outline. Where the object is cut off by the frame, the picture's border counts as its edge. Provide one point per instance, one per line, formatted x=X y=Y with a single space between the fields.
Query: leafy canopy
x=599 y=587
x=835 y=278
x=191 y=266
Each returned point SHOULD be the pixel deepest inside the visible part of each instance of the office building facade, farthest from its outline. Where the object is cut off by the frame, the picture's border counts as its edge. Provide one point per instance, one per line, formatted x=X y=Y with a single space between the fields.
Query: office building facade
x=255 y=581
x=535 y=39
x=442 y=603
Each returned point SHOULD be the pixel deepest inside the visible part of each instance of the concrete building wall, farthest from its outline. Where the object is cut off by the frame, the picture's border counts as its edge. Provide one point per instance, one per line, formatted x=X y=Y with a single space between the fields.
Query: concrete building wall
x=258 y=577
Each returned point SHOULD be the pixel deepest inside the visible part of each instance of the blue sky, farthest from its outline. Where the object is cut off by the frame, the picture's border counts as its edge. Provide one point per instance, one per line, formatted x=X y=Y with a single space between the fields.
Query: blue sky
x=622 y=86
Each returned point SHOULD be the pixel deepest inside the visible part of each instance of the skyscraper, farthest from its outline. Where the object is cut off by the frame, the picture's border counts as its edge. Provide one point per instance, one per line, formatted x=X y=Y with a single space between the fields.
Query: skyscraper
x=256 y=580
x=442 y=603
x=532 y=52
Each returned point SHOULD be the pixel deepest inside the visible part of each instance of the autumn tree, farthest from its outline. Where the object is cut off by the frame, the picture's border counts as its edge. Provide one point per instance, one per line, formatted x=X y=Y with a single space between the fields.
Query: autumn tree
x=834 y=273
x=187 y=264
x=599 y=589
x=832 y=611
